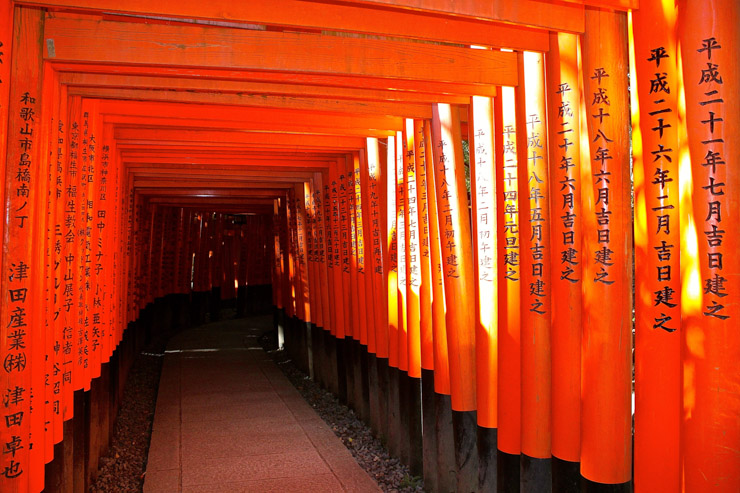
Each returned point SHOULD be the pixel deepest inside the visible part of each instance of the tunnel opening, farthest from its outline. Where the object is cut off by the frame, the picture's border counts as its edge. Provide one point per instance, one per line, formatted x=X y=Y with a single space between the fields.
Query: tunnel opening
x=495 y=231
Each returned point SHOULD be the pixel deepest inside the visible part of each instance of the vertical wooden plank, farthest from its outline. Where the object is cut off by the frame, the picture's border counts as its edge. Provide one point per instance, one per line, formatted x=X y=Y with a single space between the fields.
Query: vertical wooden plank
x=536 y=289
x=392 y=260
x=454 y=227
x=378 y=245
x=509 y=353
x=6 y=47
x=606 y=445
x=439 y=330
x=483 y=194
x=566 y=256
x=20 y=325
x=413 y=253
x=402 y=245
x=655 y=151
x=709 y=41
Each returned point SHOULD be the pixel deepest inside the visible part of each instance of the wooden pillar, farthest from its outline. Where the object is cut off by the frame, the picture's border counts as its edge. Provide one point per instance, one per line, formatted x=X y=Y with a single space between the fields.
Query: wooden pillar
x=22 y=299
x=606 y=445
x=655 y=151
x=710 y=430
x=536 y=290
x=509 y=352
x=483 y=194
x=564 y=133
x=457 y=265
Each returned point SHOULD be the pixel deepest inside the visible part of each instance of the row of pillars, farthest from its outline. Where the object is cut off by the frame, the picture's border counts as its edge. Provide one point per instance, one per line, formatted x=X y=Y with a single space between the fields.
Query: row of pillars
x=511 y=299
x=84 y=254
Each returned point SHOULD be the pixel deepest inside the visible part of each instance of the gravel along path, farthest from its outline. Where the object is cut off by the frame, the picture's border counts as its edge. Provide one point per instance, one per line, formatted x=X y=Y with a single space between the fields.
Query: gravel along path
x=391 y=475
x=122 y=470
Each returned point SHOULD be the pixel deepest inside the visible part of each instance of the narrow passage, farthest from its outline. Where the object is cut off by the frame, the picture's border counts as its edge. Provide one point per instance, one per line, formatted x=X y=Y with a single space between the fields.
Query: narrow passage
x=227 y=419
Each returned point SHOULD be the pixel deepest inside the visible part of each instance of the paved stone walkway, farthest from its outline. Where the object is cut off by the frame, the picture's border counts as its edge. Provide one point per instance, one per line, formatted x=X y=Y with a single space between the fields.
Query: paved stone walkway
x=227 y=420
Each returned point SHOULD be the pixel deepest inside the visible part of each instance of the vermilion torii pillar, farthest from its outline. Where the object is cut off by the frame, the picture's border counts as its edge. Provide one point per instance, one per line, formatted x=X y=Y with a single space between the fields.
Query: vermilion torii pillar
x=710 y=431
x=536 y=289
x=606 y=445
x=457 y=269
x=563 y=97
x=20 y=305
x=656 y=154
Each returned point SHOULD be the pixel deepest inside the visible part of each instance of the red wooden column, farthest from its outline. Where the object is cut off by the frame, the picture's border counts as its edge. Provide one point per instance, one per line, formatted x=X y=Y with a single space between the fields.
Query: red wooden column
x=413 y=254
x=321 y=251
x=311 y=255
x=6 y=38
x=364 y=307
x=606 y=445
x=424 y=155
x=371 y=238
x=364 y=247
x=710 y=431
x=334 y=235
x=401 y=245
x=656 y=157
x=55 y=248
x=457 y=265
x=391 y=260
x=483 y=194
x=376 y=173
x=439 y=331
x=536 y=290
x=345 y=248
x=485 y=251
x=509 y=352
x=563 y=110
x=302 y=264
x=20 y=304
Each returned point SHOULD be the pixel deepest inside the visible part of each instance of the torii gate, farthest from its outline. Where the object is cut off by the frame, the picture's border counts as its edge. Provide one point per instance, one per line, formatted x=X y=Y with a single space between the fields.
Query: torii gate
x=601 y=141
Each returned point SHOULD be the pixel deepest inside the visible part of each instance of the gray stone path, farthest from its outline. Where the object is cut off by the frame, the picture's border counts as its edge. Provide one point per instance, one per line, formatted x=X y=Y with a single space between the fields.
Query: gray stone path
x=227 y=420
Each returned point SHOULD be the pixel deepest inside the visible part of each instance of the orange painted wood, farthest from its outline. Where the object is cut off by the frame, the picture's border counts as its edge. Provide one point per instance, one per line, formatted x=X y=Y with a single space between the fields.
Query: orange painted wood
x=6 y=38
x=402 y=245
x=21 y=326
x=439 y=331
x=412 y=241
x=373 y=176
x=485 y=254
x=509 y=321
x=349 y=246
x=658 y=378
x=364 y=246
x=454 y=226
x=257 y=101
x=351 y=82
x=358 y=255
x=342 y=310
x=560 y=17
x=299 y=124
x=157 y=136
x=195 y=46
x=710 y=432
x=535 y=256
x=391 y=263
x=301 y=236
x=322 y=252
x=336 y=17
x=424 y=155
x=563 y=116
x=127 y=81
x=606 y=448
